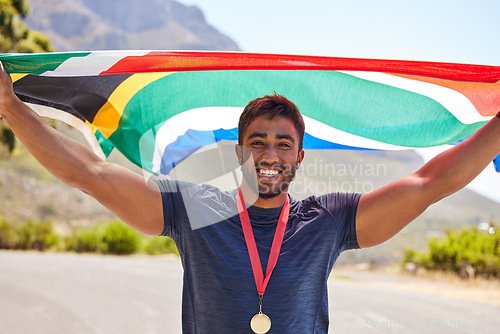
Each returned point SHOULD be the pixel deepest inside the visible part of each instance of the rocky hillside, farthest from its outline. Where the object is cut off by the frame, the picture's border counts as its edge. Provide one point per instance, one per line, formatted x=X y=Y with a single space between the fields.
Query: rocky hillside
x=75 y=25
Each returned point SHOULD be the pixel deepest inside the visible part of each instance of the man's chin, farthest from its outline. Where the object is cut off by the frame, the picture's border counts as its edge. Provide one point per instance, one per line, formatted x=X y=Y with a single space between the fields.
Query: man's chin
x=272 y=193
x=269 y=195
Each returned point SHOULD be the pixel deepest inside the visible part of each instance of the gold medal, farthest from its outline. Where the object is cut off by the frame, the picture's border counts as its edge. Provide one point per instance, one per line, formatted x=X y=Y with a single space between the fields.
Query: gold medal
x=260 y=323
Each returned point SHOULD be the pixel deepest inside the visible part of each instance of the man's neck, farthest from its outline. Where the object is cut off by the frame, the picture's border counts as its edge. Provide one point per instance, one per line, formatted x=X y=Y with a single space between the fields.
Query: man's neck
x=254 y=199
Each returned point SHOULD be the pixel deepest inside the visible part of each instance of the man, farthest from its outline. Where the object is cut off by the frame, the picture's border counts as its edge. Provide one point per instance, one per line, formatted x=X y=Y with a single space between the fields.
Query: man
x=228 y=240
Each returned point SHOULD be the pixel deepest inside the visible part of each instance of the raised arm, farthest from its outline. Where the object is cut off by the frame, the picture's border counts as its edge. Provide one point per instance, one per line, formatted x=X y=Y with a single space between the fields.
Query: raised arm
x=384 y=212
x=122 y=191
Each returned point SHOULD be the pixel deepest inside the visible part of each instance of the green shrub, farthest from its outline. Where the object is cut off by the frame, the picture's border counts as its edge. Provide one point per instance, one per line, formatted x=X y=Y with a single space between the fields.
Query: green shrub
x=467 y=248
x=409 y=255
x=35 y=236
x=108 y=238
x=119 y=239
x=160 y=245
x=7 y=235
x=85 y=241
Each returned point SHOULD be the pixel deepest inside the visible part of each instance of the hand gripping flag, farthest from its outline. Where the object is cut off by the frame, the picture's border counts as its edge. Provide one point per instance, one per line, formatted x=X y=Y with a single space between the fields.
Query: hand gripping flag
x=158 y=108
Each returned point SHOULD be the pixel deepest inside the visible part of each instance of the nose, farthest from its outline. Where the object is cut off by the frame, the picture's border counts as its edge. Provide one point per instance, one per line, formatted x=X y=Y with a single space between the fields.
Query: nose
x=270 y=155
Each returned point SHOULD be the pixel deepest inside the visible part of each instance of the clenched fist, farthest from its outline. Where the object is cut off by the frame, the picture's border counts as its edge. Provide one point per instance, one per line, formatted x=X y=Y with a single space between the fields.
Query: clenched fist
x=7 y=96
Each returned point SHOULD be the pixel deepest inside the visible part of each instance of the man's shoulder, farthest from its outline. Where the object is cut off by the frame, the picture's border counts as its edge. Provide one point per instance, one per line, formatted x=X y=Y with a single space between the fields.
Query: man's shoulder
x=329 y=197
x=330 y=201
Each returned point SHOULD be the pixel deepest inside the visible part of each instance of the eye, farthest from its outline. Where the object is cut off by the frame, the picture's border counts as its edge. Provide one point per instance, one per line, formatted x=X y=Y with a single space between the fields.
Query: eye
x=284 y=145
x=257 y=143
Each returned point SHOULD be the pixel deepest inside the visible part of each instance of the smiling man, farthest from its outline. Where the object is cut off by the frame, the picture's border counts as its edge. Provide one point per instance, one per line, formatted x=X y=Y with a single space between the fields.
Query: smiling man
x=254 y=258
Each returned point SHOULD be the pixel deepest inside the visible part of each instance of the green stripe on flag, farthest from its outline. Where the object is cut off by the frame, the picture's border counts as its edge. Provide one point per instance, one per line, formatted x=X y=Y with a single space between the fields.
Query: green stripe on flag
x=105 y=144
x=36 y=64
x=361 y=107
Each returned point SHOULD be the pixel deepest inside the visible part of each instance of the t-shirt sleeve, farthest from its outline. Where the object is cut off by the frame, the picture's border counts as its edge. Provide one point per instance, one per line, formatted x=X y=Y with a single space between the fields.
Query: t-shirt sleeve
x=343 y=207
x=173 y=206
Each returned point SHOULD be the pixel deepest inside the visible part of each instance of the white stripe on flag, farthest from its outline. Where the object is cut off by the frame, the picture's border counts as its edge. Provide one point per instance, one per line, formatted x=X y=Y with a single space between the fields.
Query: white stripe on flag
x=92 y=64
x=71 y=120
x=458 y=104
x=200 y=119
x=322 y=131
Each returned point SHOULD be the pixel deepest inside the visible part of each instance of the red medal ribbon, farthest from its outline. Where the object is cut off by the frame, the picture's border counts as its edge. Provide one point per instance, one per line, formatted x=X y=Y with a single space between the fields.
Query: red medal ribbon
x=260 y=280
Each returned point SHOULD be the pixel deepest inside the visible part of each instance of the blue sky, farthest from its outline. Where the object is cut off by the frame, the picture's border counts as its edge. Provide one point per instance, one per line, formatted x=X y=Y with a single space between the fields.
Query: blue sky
x=444 y=30
x=435 y=30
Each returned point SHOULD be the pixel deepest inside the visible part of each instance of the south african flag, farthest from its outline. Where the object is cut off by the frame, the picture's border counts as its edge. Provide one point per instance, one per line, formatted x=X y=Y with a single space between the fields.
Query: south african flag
x=158 y=108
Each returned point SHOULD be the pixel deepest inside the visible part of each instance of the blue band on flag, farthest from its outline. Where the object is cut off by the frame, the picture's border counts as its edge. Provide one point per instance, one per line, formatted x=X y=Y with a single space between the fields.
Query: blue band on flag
x=314 y=143
x=192 y=140
x=189 y=143
x=496 y=163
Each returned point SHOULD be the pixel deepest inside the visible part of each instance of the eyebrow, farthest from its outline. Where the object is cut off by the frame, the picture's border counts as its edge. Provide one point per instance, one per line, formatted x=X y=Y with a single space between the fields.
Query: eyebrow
x=257 y=134
x=264 y=135
x=278 y=136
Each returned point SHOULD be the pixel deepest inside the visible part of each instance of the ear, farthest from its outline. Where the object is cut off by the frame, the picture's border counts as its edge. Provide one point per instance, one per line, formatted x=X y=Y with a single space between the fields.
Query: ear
x=239 y=153
x=300 y=158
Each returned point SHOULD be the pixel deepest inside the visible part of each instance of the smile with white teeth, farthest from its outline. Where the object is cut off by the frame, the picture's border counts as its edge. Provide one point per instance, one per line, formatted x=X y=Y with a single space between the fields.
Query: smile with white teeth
x=268 y=172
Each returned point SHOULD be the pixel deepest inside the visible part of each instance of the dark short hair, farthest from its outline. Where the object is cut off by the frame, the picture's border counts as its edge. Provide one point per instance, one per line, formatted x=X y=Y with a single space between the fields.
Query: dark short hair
x=272 y=106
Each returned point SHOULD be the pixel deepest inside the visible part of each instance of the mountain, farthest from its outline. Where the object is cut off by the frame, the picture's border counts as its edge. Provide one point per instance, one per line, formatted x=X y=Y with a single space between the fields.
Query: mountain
x=77 y=25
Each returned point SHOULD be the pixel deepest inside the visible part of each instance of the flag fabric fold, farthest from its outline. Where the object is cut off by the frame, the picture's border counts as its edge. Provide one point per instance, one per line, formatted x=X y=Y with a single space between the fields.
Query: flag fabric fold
x=157 y=108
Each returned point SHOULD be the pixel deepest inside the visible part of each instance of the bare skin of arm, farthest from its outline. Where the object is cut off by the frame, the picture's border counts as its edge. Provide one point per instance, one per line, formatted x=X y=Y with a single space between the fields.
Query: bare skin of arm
x=384 y=212
x=122 y=191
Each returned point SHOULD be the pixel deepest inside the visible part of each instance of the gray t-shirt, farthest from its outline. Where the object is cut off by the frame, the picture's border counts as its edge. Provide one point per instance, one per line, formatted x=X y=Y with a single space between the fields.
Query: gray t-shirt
x=219 y=294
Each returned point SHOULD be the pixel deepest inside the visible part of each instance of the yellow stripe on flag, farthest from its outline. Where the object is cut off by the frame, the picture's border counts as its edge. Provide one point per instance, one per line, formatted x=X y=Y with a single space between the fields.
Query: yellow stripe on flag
x=17 y=76
x=108 y=117
x=92 y=127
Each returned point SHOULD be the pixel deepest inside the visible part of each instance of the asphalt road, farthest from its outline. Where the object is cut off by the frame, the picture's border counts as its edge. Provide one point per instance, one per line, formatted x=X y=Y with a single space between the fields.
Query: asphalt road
x=86 y=294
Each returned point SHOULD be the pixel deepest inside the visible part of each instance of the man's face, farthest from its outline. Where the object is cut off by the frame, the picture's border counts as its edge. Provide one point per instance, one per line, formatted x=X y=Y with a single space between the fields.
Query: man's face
x=273 y=146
